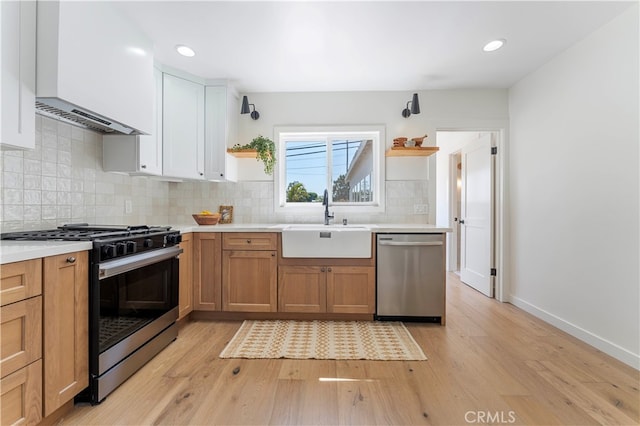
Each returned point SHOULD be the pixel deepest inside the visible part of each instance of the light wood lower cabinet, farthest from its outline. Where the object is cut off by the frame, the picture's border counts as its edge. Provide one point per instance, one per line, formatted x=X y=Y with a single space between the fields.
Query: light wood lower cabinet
x=207 y=271
x=302 y=289
x=249 y=272
x=351 y=289
x=20 y=280
x=21 y=331
x=185 y=297
x=21 y=343
x=249 y=281
x=21 y=396
x=66 y=321
x=334 y=289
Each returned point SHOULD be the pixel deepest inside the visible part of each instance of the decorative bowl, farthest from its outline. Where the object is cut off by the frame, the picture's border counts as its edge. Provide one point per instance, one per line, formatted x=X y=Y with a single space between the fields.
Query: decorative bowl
x=419 y=140
x=206 y=219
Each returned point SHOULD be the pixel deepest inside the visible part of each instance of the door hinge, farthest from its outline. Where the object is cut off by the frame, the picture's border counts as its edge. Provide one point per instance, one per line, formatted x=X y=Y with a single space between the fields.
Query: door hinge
x=494 y=150
x=494 y=272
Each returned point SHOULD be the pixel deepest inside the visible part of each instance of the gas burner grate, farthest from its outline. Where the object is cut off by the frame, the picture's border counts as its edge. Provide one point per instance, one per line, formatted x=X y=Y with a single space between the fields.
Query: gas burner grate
x=84 y=232
x=114 y=329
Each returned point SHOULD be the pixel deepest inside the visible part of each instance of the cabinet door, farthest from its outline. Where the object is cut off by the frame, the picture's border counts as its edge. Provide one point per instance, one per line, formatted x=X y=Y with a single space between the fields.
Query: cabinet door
x=186 y=276
x=207 y=271
x=21 y=396
x=18 y=57
x=150 y=146
x=351 y=289
x=66 y=322
x=215 y=132
x=20 y=280
x=21 y=331
x=182 y=128
x=249 y=281
x=302 y=289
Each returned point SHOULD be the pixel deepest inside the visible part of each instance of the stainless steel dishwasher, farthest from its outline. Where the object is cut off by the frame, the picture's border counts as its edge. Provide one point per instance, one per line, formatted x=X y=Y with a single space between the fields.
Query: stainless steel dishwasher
x=410 y=277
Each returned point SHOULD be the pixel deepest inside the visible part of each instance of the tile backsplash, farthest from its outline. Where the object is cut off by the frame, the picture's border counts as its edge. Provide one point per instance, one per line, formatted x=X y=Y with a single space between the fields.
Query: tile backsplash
x=62 y=181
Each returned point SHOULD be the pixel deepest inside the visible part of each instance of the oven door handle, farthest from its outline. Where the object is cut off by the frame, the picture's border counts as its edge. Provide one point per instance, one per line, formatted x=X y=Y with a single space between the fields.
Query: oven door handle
x=120 y=266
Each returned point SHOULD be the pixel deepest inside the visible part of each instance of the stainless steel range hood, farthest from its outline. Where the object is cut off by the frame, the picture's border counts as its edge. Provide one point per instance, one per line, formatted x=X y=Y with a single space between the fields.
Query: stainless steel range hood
x=65 y=111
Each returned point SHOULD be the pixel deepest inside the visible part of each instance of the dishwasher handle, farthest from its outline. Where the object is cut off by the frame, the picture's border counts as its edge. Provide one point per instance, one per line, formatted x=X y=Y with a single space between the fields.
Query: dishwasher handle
x=410 y=244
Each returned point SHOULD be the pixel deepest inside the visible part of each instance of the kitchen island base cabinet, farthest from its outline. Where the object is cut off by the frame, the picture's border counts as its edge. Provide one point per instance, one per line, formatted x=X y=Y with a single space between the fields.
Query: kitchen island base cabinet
x=65 y=328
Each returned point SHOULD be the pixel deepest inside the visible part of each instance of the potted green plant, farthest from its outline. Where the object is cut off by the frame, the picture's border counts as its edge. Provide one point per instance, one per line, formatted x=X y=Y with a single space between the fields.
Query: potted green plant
x=265 y=149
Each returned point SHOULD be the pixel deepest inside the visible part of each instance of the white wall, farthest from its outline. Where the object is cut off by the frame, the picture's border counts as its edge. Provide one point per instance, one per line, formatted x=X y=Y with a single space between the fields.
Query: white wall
x=439 y=109
x=346 y=108
x=574 y=189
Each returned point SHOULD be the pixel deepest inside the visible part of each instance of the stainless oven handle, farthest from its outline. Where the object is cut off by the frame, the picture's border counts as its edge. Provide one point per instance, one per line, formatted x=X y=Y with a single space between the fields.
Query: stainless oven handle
x=119 y=266
x=410 y=244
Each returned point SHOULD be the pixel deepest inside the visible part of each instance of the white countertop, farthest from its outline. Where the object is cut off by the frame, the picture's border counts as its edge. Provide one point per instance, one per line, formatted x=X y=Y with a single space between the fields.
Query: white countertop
x=274 y=227
x=16 y=251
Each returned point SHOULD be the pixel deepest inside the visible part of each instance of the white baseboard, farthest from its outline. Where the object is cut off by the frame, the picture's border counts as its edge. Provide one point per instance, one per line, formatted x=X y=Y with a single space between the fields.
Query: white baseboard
x=598 y=342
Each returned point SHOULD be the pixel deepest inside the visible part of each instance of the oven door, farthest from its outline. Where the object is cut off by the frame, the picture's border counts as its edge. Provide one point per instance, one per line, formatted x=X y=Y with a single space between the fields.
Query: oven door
x=136 y=298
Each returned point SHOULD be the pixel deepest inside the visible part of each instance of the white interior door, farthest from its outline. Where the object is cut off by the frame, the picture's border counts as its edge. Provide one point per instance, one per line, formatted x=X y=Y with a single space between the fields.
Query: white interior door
x=476 y=242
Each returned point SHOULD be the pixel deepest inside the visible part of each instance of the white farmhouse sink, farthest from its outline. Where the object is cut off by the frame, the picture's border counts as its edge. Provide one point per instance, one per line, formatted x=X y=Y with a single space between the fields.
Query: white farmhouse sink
x=321 y=241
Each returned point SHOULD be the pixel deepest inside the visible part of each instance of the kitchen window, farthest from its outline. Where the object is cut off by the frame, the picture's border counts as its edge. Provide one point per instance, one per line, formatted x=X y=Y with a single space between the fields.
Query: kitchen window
x=347 y=161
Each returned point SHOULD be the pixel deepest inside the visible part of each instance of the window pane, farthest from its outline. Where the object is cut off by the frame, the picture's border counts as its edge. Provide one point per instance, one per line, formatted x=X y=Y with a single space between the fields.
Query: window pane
x=306 y=171
x=352 y=166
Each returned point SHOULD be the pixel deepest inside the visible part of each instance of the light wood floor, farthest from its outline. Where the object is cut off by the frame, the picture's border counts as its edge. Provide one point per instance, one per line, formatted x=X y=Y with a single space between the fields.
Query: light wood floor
x=491 y=363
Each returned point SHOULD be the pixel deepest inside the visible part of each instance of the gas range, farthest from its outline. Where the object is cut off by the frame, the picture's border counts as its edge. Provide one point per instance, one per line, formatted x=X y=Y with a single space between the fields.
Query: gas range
x=109 y=241
x=133 y=296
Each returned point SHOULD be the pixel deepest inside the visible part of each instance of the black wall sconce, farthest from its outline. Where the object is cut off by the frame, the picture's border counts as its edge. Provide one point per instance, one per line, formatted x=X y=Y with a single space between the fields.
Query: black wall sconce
x=245 y=108
x=415 y=107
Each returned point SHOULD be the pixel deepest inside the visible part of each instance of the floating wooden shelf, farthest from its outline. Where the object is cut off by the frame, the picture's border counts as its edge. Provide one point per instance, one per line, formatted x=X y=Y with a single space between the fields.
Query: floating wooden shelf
x=415 y=151
x=244 y=153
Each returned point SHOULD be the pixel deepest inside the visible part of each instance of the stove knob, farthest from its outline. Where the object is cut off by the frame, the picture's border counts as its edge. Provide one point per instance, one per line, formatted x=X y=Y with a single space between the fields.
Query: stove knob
x=174 y=239
x=132 y=246
x=108 y=251
x=147 y=243
x=121 y=249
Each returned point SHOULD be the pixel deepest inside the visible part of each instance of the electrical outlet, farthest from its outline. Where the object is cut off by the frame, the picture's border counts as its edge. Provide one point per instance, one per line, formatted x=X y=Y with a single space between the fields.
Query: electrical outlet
x=128 y=207
x=421 y=209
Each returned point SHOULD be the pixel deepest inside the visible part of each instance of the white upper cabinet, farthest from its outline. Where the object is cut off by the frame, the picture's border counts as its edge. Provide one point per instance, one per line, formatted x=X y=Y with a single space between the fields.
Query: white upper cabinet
x=221 y=110
x=141 y=154
x=92 y=59
x=183 y=120
x=18 y=74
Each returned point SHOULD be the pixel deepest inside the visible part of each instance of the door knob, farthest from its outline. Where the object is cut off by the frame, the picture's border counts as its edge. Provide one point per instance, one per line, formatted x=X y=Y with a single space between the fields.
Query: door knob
x=461 y=221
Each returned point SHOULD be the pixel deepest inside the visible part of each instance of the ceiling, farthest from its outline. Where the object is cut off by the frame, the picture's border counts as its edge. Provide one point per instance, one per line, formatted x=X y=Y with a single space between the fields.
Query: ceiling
x=312 y=46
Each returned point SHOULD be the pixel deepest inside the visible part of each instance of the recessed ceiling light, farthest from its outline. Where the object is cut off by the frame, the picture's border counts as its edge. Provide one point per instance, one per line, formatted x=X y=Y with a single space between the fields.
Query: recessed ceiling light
x=494 y=45
x=185 y=50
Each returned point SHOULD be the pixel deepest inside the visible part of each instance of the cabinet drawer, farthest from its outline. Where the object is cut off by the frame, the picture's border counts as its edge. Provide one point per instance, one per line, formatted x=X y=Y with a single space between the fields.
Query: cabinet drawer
x=249 y=241
x=20 y=280
x=21 y=397
x=21 y=331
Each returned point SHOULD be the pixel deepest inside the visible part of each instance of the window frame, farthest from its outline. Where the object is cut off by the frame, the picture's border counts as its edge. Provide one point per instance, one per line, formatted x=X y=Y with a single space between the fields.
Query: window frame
x=376 y=133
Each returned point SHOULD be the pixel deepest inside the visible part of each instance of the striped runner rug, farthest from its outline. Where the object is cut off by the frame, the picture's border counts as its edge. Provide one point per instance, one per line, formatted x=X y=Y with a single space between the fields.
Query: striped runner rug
x=371 y=340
